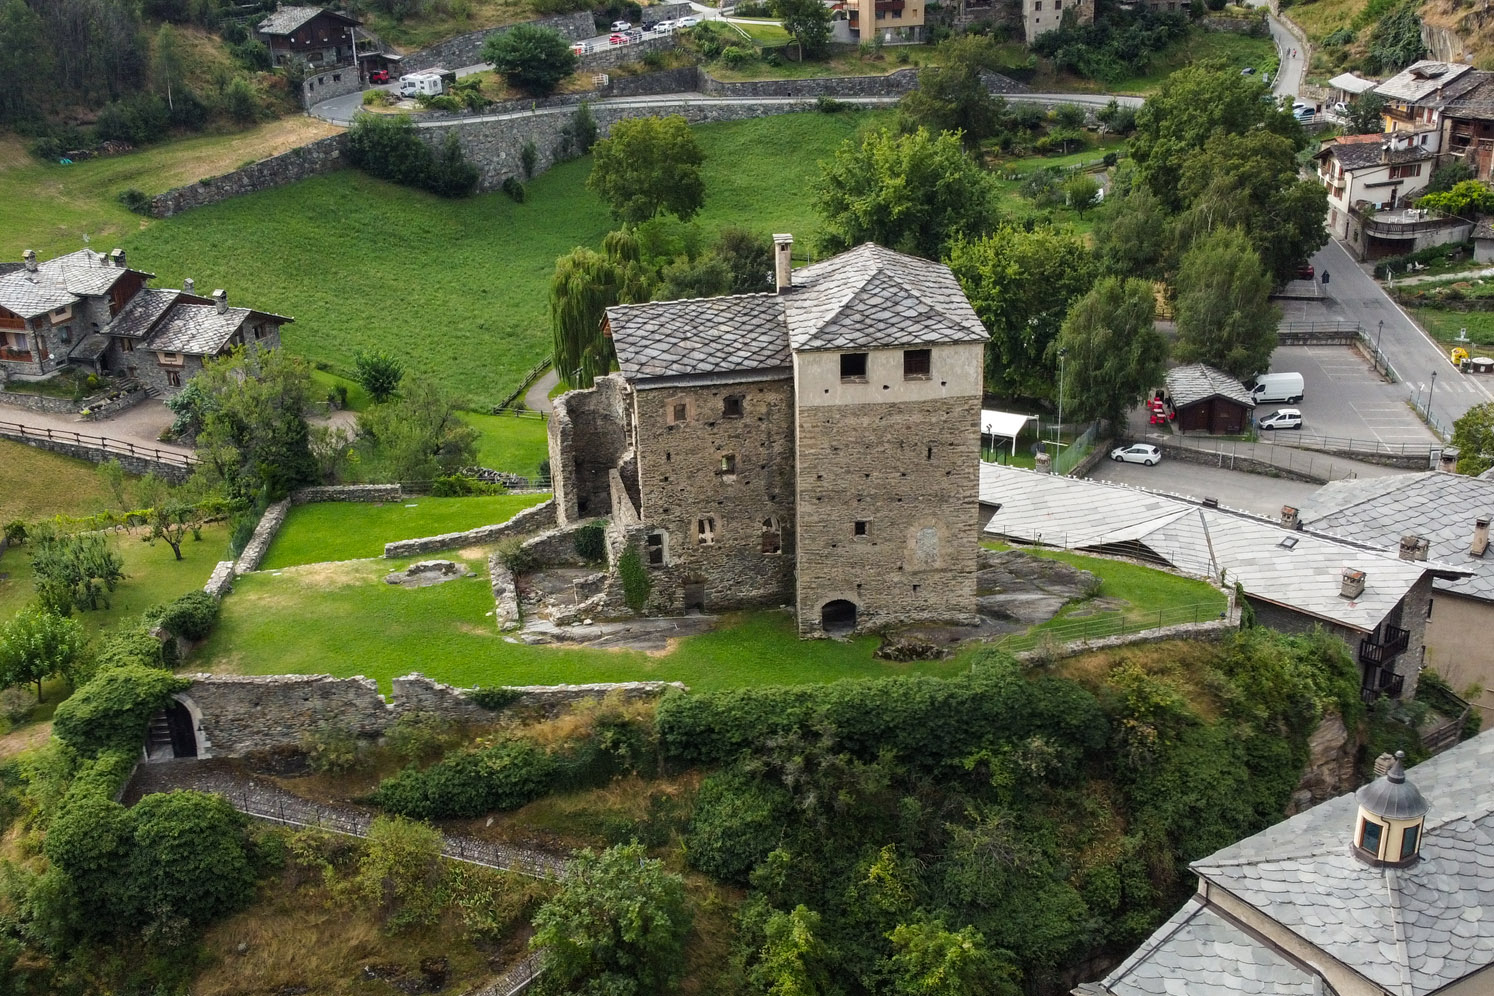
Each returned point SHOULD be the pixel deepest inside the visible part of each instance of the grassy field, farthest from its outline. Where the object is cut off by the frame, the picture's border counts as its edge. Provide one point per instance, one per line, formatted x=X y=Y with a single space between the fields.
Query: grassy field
x=1445 y=325
x=510 y=443
x=351 y=530
x=1013 y=205
x=1323 y=17
x=152 y=576
x=36 y=484
x=1236 y=50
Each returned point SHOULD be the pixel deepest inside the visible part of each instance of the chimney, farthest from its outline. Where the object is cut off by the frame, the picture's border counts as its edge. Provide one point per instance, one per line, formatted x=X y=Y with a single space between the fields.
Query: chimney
x=189 y=285
x=783 y=265
x=117 y=257
x=1448 y=461
x=30 y=257
x=220 y=298
x=1413 y=547
x=1289 y=519
x=1353 y=583
x=1480 y=536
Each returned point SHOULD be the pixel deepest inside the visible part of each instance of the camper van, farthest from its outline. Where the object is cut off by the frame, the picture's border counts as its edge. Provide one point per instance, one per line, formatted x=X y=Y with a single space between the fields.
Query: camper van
x=421 y=85
x=1270 y=387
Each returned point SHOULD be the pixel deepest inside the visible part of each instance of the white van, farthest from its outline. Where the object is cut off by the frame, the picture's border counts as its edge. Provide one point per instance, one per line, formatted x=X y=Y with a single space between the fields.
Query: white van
x=421 y=85
x=1270 y=387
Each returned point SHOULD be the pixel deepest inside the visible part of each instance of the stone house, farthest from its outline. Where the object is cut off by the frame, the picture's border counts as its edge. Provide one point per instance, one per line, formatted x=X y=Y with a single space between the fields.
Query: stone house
x=1416 y=97
x=320 y=36
x=1381 y=892
x=815 y=447
x=91 y=309
x=1042 y=16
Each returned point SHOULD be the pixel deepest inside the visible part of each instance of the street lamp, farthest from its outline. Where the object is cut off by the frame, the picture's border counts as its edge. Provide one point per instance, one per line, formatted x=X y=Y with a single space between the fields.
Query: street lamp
x=1056 y=437
x=1429 y=395
x=1379 y=334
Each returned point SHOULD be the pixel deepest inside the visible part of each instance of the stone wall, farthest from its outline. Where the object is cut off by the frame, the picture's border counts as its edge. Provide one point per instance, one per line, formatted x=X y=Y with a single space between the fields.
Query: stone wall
x=1330 y=771
x=893 y=84
x=93 y=411
x=348 y=492
x=557 y=546
x=505 y=594
x=264 y=535
x=220 y=582
x=134 y=463
x=322 y=156
x=40 y=403
x=665 y=12
x=330 y=83
x=529 y=520
x=607 y=56
x=589 y=431
x=682 y=80
x=466 y=50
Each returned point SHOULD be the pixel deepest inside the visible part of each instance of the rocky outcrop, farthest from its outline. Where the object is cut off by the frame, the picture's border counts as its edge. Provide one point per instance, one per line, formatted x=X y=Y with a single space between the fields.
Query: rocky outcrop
x=1330 y=768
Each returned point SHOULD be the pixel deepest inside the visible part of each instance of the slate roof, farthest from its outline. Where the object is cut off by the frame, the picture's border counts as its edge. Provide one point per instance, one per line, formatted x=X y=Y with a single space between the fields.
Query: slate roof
x=707 y=335
x=1412 y=931
x=1197 y=382
x=1354 y=155
x=284 y=20
x=142 y=312
x=59 y=282
x=1200 y=953
x=866 y=298
x=1483 y=230
x=1476 y=101
x=1349 y=83
x=1305 y=576
x=31 y=294
x=195 y=328
x=1419 y=82
x=1440 y=507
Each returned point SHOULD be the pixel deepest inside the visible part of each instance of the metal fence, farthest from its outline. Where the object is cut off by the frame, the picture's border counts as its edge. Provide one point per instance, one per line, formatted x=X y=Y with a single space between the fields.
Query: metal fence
x=1101 y=626
x=103 y=444
x=1068 y=458
x=516 y=979
x=1233 y=454
x=1350 y=444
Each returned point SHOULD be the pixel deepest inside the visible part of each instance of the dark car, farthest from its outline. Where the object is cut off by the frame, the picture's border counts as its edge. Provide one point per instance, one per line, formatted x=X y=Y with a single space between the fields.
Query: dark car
x=1306 y=272
x=378 y=76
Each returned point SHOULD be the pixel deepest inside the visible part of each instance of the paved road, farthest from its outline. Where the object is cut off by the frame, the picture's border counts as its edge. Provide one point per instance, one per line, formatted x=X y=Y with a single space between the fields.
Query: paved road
x=1233 y=488
x=537 y=398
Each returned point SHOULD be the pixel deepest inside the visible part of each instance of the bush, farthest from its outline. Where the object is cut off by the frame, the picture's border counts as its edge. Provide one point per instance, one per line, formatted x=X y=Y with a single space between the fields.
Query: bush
x=472 y=783
x=531 y=58
x=591 y=542
x=134 y=200
x=191 y=616
x=379 y=373
x=1431 y=254
x=390 y=148
x=528 y=159
x=402 y=874
x=514 y=188
x=189 y=858
x=1343 y=36
x=111 y=712
x=463 y=486
x=737 y=821
x=736 y=56
x=829 y=105
x=15 y=532
x=419 y=736
x=381 y=98
x=517 y=559
x=125 y=647
x=331 y=748
x=495 y=699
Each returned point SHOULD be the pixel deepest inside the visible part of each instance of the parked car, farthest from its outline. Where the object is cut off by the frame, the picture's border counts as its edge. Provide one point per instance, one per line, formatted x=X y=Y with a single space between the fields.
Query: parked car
x=1303 y=113
x=1306 y=272
x=617 y=39
x=378 y=76
x=580 y=48
x=665 y=27
x=1248 y=71
x=1286 y=418
x=1143 y=453
x=621 y=25
x=1278 y=387
x=687 y=22
x=1341 y=109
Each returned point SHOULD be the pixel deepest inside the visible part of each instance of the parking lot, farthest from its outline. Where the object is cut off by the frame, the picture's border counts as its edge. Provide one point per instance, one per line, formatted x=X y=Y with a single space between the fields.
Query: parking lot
x=1344 y=397
x=1233 y=488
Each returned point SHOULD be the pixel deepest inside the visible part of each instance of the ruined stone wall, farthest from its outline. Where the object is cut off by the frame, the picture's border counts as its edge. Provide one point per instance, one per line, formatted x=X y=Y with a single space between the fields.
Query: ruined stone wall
x=530 y=519
x=466 y=50
x=682 y=480
x=910 y=472
x=264 y=535
x=590 y=432
x=348 y=492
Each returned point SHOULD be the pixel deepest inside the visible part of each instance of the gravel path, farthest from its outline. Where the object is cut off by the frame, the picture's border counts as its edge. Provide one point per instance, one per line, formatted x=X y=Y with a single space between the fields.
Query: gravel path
x=140 y=425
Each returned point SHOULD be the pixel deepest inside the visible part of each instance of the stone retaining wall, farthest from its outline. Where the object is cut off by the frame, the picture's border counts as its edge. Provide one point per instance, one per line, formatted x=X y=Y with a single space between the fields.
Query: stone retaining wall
x=1234 y=462
x=67 y=406
x=264 y=534
x=557 y=546
x=682 y=80
x=529 y=520
x=134 y=464
x=322 y=156
x=348 y=492
x=665 y=12
x=893 y=84
x=466 y=50
x=330 y=83
x=505 y=594
x=220 y=582
x=611 y=56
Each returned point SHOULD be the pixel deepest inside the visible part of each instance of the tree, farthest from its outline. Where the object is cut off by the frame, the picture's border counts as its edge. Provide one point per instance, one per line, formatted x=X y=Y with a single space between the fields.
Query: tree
x=1467 y=199
x=1080 y=191
x=649 y=165
x=914 y=193
x=169 y=514
x=932 y=960
x=953 y=98
x=401 y=874
x=188 y=860
x=1113 y=117
x=36 y=644
x=617 y=925
x=808 y=23
x=1021 y=284
x=793 y=961
x=25 y=61
x=1365 y=115
x=1114 y=351
x=586 y=283
x=531 y=58
x=75 y=571
x=1473 y=435
x=1225 y=317
x=167 y=63
x=418 y=437
x=1132 y=234
x=451 y=174
x=379 y=373
x=748 y=257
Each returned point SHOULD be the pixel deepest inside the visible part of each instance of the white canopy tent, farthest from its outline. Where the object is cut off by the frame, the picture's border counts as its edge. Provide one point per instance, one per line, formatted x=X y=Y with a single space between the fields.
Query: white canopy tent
x=1000 y=425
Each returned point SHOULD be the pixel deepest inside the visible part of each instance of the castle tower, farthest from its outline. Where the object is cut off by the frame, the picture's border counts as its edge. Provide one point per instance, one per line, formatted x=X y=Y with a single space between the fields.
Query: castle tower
x=1387 y=829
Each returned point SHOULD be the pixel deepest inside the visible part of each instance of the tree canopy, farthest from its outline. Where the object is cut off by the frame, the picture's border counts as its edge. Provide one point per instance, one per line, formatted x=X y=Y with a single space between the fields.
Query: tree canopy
x=36 y=644
x=1114 y=352
x=1466 y=199
x=953 y=97
x=1473 y=435
x=808 y=23
x=647 y=166
x=1225 y=317
x=531 y=58
x=585 y=284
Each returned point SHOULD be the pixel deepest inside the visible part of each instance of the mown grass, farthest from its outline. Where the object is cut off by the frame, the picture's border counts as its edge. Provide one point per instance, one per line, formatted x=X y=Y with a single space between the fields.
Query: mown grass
x=1444 y=326
x=324 y=531
x=510 y=443
x=36 y=484
x=152 y=576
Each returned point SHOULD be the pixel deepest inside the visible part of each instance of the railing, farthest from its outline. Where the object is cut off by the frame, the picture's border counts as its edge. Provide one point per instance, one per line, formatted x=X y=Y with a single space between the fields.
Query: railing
x=1378 y=682
x=1401 y=229
x=1351 y=444
x=1077 y=450
x=116 y=447
x=1228 y=453
x=517 y=978
x=1099 y=627
x=1449 y=704
x=1318 y=334
x=1392 y=644
x=529 y=378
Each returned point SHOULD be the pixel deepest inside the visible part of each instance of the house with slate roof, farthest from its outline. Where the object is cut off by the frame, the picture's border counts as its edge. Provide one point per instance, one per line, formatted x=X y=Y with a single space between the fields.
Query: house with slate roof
x=1436 y=516
x=815 y=447
x=1208 y=400
x=1293 y=578
x=320 y=36
x=1385 y=892
x=1374 y=172
x=91 y=309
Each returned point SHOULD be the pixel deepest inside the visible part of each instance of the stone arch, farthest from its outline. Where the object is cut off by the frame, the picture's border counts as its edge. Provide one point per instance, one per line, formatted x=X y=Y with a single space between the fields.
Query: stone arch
x=838 y=616
x=204 y=747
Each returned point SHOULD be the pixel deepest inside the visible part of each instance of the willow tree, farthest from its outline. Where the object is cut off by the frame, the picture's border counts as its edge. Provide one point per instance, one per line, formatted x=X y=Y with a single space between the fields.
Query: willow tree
x=586 y=283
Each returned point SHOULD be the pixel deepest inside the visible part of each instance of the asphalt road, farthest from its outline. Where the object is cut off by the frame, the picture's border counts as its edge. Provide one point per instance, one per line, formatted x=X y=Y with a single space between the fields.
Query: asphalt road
x=1344 y=396
x=1233 y=488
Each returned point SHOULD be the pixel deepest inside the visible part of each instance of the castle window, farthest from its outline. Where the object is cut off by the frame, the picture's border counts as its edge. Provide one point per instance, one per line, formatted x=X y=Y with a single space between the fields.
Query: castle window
x=705 y=530
x=772 y=536
x=853 y=368
x=860 y=527
x=728 y=463
x=658 y=549
x=1408 y=841
x=1369 y=836
x=917 y=364
x=732 y=407
x=679 y=411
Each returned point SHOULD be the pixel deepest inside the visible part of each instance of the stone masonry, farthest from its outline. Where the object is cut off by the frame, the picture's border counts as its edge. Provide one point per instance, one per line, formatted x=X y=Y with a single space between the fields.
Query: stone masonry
x=377 y=493
x=466 y=50
x=589 y=432
x=529 y=520
x=264 y=534
x=321 y=156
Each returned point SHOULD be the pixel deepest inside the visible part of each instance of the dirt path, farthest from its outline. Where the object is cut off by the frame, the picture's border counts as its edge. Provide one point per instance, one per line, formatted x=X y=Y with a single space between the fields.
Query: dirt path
x=537 y=398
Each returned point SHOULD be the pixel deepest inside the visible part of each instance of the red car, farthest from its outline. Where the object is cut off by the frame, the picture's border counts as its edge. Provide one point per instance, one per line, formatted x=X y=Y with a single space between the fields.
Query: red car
x=1306 y=272
x=617 y=40
x=378 y=76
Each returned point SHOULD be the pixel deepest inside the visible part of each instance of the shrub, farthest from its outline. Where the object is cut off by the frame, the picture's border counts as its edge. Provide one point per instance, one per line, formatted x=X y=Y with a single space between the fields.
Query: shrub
x=331 y=748
x=189 y=859
x=737 y=821
x=402 y=874
x=419 y=736
x=531 y=58
x=191 y=616
x=591 y=542
x=528 y=159
x=15 y=532
x=635 y=580
x=134 y=200
x=463 y=486
x=379 y=372
x=381 y=98
x=112 y=710
x=474 y=782
x=736 y=56
x=515 y=557
x=1343 y=36
x=514 y=188
x=125 y=647
x=829 y=105
x=494 y=699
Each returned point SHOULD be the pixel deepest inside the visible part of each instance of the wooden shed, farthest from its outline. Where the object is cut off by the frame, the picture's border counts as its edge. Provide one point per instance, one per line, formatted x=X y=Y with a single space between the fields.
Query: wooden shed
x=1208 y=400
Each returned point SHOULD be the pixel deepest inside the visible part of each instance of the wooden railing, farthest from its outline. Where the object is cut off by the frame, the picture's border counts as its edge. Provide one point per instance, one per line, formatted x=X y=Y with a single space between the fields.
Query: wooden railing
x=103 y=444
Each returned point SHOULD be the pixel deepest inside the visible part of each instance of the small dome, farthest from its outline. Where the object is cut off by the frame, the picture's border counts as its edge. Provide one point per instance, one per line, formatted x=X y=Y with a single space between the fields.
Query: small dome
x=1392 y=797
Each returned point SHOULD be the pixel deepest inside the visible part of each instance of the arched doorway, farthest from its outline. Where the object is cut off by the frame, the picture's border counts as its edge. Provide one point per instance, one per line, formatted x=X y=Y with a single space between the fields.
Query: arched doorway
x=173 y=732
x=838 y=617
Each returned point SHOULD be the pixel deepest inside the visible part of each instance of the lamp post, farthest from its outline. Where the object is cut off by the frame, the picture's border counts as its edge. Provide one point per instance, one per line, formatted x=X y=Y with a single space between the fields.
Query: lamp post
x=1059 y=428
x=1429 y=395
x=1379 y=334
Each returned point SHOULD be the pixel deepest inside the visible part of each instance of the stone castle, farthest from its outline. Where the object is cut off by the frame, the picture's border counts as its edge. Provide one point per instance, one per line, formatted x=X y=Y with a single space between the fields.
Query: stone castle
x=815 y=447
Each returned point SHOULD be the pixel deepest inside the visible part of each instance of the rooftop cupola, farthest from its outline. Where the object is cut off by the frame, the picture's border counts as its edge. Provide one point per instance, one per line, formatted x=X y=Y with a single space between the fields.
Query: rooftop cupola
x=1391 y=813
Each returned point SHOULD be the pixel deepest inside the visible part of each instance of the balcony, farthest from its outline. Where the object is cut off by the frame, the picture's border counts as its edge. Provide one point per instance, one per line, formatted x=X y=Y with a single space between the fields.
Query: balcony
x=16 y=355
x=1379 y=682
x=1384 y=646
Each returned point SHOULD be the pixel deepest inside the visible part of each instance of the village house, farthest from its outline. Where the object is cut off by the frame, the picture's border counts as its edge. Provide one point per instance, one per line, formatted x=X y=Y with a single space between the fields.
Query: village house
x=816 y=447
x=321 y=37
x=889 y=21
x=92 y=310
x=1366 y=174
x=1416 y=97
x=1383 y=892
x=1042 y=16
x=1468 y=127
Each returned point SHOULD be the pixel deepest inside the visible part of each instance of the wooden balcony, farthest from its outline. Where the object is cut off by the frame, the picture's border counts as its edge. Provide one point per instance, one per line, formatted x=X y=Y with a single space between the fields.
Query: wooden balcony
x=16 y=355
x=1384 y=646
x=1378 y=683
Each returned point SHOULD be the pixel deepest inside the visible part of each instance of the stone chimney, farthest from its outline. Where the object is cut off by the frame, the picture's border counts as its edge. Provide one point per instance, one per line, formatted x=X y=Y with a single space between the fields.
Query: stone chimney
x=117 y=257
x=1413 y=547
x=1448 y=461
x=783 y=264
x=220 y=299
x=1353 y=583
x=189 y=285
x=1289 y=518
x=30 y=257
x=1480 y=536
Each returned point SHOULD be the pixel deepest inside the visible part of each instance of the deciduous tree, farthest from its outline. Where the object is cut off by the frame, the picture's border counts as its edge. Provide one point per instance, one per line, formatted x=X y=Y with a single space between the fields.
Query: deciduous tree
x=953 y=98
x=1365 y=115
x=36 y=644
x=808 y=22
x=531 y=58
x=932 y=960
x=170 y=514
x=1473 y=435
x=1467 y=199
x=379 y=372
x=794 y=959
x=1225 y=317
x=75 y=571
x=586 y=283
x=649 y=165
x=1132 y=234
x=1114 y=351
x=915 y=193
x=419 y=436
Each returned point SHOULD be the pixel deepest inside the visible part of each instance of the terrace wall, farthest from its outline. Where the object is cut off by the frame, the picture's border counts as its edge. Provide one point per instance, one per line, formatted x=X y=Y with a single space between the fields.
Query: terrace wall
x=466 y=50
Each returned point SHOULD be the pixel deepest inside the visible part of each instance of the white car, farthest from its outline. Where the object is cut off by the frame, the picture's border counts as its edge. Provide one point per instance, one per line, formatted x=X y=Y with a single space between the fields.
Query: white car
x=664 y=27
x=1143 y=453
x=622 y=25
x=687 y=22
x=1285 y=418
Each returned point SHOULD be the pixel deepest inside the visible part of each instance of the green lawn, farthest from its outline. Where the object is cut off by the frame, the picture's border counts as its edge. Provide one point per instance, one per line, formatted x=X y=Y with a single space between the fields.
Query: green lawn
x=510 y=443
x=1236 y=50
x=342 y=619
x=36 y=484
x=1444 y=325
x=334 y=530
x=152 y=576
